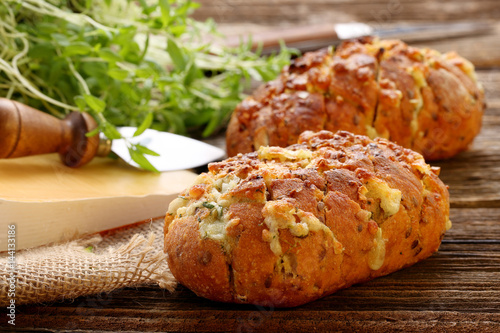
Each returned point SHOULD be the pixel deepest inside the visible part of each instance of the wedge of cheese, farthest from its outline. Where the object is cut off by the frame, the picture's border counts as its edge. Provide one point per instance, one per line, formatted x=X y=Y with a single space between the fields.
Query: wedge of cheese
x=50 y=203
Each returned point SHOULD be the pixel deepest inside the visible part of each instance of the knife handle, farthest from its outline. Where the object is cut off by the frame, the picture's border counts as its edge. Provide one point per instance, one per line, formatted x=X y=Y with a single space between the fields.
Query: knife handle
x=290 y=36
x=25 y=131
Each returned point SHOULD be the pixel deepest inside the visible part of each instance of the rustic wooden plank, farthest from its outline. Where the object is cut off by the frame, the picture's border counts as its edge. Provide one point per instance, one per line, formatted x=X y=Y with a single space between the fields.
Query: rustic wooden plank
x=490 y=79
x=300 y=12
x=460 y=278
x=273 y=320
x=276 y=320
x=473 y=176
x=474 y=225
x=257 y=321
x=453 y=285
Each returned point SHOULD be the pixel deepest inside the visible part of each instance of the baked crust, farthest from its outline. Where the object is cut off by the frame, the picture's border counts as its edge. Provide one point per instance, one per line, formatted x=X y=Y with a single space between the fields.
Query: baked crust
x=285 y=226
x=418 y=98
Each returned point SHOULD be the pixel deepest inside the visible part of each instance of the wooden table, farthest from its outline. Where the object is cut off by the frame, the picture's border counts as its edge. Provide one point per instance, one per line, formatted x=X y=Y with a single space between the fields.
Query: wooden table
x=455 y=290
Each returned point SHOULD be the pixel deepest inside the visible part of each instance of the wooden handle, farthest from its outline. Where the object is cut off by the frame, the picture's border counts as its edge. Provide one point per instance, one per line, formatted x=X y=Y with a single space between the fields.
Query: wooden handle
x=26 y=131
x=291 y=36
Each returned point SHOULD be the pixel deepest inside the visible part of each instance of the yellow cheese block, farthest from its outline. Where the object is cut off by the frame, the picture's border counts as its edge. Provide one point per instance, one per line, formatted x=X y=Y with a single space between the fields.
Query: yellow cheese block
x=49 y=202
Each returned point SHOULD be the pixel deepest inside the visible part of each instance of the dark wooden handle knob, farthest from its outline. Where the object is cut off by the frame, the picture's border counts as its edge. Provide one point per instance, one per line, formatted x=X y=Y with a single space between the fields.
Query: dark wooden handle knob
x=26 y=131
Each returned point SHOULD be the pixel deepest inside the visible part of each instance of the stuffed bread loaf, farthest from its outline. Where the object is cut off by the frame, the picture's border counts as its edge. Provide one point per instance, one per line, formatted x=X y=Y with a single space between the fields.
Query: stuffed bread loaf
x=420 y=99
x=285 y=226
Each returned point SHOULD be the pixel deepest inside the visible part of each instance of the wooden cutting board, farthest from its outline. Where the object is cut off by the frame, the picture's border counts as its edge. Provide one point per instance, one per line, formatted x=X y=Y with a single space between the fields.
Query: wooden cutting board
x=49 y=202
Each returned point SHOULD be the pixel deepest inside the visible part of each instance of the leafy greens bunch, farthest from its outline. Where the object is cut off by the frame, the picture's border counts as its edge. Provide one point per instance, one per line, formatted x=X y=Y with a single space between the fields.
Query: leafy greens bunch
x=129 y=63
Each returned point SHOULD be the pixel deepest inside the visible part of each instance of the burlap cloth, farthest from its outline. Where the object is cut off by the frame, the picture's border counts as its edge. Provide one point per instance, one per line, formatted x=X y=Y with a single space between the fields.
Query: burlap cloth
x=128 y=257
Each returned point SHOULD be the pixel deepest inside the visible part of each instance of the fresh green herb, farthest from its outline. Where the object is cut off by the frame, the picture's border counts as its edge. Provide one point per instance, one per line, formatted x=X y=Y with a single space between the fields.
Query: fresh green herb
x=208 y=205
x=129 y=63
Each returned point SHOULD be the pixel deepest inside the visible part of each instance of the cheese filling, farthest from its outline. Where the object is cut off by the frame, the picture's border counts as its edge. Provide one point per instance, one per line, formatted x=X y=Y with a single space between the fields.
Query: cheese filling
x=217 y=201
x=281 y=214
x=390 y=199
x=376 y=256
x=417 y=101
x=447 y=225
x=283 y=154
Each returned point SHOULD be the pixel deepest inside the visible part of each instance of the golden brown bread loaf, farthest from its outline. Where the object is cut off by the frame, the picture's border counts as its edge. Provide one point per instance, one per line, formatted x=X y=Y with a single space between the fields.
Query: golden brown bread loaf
x=285 y=226
x=418 y=98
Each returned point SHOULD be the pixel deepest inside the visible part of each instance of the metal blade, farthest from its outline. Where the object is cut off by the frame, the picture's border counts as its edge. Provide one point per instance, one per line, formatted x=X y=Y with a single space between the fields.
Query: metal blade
x=176 y=152
x=310 y=38
x=422 y=32
x=352 y=30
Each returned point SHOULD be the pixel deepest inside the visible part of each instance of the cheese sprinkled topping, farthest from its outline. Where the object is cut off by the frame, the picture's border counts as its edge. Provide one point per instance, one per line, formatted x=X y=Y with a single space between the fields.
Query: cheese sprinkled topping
x=282 y=154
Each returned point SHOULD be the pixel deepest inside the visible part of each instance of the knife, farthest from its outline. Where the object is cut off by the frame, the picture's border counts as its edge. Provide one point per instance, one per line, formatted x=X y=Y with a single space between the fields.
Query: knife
x=26 y=131
x=308 y=38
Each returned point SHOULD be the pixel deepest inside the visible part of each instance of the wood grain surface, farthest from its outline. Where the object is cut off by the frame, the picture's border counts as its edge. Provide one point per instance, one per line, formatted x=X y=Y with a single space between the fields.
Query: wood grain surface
x=241 y=17
x=293 y=11
x=455 y=290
